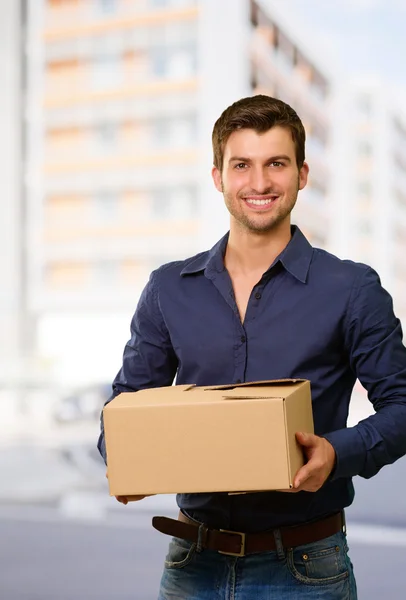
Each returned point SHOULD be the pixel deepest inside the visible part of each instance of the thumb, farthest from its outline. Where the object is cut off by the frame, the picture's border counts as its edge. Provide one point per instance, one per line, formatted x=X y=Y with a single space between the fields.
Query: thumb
x=305 y=439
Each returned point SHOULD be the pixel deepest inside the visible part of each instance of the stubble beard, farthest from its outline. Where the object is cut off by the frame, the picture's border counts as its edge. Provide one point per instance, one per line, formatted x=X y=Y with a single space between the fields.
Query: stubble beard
x=264 y=224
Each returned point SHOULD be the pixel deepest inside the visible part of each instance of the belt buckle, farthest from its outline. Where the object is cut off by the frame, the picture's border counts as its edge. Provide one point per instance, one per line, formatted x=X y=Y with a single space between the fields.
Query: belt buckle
x=242 y=550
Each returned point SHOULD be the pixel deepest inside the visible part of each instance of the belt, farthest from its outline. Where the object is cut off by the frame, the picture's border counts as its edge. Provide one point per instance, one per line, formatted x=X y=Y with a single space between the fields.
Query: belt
x=237 y=543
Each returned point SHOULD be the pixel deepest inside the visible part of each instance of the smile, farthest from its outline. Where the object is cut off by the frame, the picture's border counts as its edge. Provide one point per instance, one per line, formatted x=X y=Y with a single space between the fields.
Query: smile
x=263 y=202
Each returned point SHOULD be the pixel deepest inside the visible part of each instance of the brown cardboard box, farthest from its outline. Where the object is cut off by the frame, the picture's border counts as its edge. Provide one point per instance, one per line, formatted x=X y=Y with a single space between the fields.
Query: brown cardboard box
x=207 y=439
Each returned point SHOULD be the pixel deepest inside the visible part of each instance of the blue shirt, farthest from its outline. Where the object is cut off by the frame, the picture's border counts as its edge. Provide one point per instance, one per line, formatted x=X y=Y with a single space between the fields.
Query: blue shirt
x=311 y=316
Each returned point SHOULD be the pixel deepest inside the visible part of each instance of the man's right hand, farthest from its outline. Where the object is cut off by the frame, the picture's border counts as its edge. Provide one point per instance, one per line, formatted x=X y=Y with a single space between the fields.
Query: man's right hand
x=126 y=499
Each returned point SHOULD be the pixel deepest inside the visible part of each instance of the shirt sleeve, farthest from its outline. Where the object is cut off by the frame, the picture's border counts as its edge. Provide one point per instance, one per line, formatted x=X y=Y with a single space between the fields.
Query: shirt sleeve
x=378 y=358
x=149 y=359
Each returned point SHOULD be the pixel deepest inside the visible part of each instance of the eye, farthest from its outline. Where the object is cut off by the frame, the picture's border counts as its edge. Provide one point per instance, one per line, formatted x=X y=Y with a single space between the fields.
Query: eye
x=240 y=166
x=276 y=163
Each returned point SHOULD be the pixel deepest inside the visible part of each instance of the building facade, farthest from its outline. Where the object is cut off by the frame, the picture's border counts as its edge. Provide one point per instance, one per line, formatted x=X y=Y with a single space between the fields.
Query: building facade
x=15 y=336
x=369 y=187
x=123 y=96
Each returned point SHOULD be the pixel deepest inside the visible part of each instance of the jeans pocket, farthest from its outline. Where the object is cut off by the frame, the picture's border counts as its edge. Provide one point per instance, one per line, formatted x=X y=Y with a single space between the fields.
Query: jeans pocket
x=180 y=553
x=320 y=563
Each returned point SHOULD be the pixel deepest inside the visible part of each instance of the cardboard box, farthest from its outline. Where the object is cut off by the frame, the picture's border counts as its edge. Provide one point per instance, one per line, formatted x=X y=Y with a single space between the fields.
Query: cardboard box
x=207 y=439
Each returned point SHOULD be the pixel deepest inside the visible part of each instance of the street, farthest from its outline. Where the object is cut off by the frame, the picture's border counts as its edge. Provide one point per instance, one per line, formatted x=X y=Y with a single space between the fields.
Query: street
x=64 y=538
x=46 y=557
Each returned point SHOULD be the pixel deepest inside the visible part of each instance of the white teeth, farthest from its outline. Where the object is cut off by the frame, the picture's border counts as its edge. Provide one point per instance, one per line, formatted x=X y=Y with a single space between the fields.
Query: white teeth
x=260 y=202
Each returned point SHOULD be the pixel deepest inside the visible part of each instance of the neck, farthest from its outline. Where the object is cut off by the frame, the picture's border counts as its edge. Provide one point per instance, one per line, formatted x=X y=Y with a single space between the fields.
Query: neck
x=248 y=252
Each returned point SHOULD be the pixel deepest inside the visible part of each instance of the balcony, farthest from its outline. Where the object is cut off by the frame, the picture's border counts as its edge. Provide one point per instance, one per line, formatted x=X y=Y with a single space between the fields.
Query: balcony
x=280 y=69
x=139 y=108
x=125 y=178
x=171 y=35
x=81 y=20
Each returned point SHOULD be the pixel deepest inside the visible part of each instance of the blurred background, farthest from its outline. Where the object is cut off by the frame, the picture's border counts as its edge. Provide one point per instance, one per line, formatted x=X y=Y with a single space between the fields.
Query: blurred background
x=106 y=113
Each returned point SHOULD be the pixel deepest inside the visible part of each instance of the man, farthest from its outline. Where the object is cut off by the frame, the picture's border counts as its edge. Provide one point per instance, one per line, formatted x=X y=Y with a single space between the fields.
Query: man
x=263 y=304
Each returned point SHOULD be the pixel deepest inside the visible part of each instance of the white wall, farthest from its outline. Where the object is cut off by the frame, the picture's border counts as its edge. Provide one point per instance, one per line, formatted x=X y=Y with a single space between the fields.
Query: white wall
x=11 y=240
x=224 y=36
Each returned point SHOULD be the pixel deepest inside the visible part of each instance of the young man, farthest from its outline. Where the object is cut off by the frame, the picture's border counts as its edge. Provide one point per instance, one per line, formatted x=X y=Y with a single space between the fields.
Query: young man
x=263 y=304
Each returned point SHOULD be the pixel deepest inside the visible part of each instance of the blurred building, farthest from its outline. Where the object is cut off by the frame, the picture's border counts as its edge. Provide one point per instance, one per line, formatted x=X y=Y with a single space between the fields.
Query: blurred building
x=122 y=99
x=14 y=337
x=369 y=184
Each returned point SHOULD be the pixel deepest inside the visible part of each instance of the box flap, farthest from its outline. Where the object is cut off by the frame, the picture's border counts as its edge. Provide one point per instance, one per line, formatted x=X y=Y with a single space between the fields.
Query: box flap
x=260 y=392
x=266 y=382
x=152 y=397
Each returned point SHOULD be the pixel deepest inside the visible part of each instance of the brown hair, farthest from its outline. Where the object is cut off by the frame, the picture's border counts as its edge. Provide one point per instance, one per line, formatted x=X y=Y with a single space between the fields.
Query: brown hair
x=260 y=113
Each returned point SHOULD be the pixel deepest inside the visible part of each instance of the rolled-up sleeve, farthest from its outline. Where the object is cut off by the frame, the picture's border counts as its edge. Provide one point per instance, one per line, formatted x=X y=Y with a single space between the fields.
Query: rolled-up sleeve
x=149 y=359
x=373 y=337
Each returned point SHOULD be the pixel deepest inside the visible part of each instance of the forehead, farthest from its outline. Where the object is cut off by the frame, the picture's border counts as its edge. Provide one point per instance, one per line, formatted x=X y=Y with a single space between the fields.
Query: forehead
x=250 y=143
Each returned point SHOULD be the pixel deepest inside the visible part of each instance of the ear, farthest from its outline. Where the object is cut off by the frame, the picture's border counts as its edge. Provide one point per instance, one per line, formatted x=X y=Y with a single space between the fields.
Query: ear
x=215 y=173
x=303 y=175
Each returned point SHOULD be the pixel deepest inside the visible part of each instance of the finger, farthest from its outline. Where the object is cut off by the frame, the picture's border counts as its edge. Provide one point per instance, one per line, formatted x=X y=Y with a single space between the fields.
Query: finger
x=107 y=473
x=307 y=471
x=313 y=484
x=306 y=439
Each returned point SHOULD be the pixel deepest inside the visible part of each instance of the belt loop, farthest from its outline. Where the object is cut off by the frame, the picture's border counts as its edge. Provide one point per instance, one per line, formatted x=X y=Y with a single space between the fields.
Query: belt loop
x=201 y=537
x=279 y=544
x=344 y=522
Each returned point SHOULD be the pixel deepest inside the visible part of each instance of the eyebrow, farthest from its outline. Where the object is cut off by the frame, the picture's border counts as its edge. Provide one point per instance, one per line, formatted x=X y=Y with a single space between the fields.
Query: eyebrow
x=270 y=159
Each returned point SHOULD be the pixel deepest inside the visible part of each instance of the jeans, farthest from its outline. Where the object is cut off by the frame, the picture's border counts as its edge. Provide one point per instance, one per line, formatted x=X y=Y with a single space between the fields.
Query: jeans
x=320 y=570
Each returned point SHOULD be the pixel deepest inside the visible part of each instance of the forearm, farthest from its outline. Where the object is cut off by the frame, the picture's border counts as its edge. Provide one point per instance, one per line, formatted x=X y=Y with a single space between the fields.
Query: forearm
x=101 y=444
x=375 y=442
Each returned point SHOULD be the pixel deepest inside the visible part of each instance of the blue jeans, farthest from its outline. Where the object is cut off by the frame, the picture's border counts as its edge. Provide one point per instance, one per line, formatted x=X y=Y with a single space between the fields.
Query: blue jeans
x=321 y=570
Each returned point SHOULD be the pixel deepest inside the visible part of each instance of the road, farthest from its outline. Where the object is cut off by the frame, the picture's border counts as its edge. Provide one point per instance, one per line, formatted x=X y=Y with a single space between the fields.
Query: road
x=120 y=557
x=63 y=538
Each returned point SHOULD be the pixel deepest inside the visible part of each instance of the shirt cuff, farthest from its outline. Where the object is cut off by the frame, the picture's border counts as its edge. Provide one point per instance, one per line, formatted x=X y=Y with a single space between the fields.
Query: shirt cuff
x=350 y=452
x=101 y=446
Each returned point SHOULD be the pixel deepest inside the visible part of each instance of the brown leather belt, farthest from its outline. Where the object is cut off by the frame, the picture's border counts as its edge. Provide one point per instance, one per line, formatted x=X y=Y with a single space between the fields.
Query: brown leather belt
x=236 y=543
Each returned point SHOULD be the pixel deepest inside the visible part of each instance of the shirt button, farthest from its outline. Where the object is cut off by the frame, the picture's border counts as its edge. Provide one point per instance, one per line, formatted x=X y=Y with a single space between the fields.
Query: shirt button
x=258 y=296
x=243 y=338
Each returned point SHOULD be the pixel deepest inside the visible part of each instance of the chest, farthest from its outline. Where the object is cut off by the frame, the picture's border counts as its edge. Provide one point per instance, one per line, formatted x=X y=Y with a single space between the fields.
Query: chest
x=243 y=288
x=280 y=322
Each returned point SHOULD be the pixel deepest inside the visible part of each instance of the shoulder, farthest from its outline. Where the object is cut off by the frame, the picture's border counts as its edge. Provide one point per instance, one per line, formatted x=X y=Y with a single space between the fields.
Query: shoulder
x=356 y=282
x=334 y=267
x=172 y=271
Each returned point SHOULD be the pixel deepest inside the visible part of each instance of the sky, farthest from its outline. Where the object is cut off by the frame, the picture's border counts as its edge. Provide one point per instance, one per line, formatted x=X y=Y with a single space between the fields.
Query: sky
x=352 y=37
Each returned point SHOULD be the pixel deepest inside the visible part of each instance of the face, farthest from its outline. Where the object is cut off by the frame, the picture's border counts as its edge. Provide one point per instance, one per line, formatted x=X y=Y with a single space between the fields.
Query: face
x=260 y=179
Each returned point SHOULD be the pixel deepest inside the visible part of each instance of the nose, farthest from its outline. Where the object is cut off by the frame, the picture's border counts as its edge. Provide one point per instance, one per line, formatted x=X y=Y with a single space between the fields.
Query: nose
x=259 y=180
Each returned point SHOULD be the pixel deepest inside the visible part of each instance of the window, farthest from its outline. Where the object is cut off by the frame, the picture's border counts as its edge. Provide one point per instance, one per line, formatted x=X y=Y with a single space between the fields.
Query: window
x=106 y=7
x=364 y=227
x=161 y=206
x=175 y=64
x=184 y=203
x=364 y=188
x=159 y=62
x=171 y=3
x=182 y=63
x=106 y=136
x=106 y=206
x=365 y=148
x=106 y=71
x=364 y=104
x=161 y=132
x=104 y=272
x=175 y=132
x=176 y=204
x=183 y=131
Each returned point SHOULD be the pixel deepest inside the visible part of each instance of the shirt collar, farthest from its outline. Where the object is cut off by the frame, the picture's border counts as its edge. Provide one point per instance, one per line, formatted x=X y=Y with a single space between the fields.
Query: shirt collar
x=295 y=258
x=297 y=255
x=212 y=260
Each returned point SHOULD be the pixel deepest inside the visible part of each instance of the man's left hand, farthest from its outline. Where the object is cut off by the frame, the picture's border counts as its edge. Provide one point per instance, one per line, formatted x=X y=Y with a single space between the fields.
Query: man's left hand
x=321 y=458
